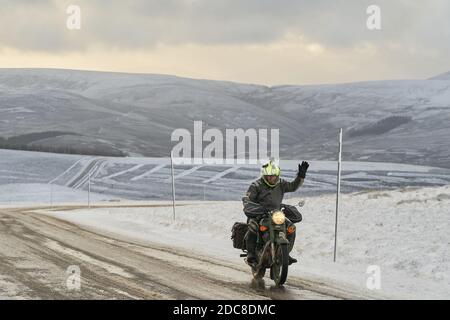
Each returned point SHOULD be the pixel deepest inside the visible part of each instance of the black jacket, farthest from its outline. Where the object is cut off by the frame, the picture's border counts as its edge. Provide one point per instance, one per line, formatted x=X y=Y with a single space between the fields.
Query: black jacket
x=269 y=198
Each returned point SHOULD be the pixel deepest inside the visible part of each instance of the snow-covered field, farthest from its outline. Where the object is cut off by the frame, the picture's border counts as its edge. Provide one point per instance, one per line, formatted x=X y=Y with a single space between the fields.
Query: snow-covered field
x=45 y=194
x=45 y=177
x=405 y=232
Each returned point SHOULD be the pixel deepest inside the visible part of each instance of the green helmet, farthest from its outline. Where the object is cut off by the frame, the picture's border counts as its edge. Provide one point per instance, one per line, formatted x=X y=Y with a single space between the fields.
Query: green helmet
x=270 y=174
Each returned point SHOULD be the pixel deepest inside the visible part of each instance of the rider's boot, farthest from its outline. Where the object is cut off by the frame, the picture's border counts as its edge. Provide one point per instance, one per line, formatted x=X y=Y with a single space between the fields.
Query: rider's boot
x=292 y=260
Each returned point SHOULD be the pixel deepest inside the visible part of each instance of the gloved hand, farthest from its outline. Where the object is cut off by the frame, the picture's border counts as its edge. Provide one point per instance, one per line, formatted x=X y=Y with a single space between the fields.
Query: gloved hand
x=302 y=168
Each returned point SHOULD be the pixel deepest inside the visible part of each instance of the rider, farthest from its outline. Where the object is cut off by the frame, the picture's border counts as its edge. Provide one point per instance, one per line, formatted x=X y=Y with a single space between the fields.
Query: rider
x=268 y=192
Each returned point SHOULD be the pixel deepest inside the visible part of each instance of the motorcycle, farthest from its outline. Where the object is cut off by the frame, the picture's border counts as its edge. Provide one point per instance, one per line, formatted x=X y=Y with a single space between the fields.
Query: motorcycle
x=272 y=246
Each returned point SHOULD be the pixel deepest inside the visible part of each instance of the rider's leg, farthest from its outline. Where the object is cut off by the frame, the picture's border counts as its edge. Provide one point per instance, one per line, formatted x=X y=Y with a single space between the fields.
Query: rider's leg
x=251 y=239
x=291 y=239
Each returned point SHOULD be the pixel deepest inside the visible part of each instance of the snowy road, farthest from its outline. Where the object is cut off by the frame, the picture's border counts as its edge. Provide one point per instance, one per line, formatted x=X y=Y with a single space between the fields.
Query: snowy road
x=36 y=250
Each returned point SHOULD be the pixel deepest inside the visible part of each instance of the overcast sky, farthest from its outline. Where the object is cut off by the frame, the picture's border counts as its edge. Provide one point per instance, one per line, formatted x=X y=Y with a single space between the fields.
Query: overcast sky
x=258 y=41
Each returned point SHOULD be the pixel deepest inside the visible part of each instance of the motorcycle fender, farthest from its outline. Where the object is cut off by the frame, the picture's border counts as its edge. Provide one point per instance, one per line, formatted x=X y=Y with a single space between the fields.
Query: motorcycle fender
x=281 y=238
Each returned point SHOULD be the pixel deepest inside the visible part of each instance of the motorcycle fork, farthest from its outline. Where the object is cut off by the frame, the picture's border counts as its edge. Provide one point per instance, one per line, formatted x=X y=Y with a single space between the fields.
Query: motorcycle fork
x=272 y=243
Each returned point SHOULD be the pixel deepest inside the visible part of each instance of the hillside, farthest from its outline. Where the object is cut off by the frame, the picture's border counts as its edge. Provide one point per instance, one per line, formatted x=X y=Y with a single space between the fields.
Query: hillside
x=402 y=121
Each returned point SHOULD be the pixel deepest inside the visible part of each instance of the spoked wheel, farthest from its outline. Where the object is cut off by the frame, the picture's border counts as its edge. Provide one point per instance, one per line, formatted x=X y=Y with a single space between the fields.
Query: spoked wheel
x=279 y=269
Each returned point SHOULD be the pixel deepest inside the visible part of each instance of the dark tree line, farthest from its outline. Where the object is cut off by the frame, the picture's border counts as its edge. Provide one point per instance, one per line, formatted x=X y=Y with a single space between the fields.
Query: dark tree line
x=66 y=149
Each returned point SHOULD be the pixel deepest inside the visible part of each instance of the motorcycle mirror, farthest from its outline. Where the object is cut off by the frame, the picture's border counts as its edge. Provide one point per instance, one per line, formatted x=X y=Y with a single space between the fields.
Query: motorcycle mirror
x=301 y=203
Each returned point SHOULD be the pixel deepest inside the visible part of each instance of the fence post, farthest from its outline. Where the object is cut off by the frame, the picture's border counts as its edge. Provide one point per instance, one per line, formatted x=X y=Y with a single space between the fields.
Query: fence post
x=173 y=185
x=89 y=189
x=338 y=191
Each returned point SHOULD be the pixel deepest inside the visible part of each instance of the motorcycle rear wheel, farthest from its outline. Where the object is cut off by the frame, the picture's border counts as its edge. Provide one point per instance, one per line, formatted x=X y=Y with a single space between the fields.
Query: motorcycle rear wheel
x=279 y=269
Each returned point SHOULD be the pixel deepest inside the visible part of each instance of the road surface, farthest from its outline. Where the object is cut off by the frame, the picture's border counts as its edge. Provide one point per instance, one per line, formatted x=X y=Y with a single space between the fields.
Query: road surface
x=36 y=251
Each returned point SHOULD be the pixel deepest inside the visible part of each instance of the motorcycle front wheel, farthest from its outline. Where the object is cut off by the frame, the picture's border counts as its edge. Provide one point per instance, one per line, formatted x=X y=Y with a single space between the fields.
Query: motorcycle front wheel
x=279 y=269
x=258 y=273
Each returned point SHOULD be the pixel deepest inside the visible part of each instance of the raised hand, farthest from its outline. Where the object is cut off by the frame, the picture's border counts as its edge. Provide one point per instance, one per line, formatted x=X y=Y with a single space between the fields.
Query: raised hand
x=302 y=168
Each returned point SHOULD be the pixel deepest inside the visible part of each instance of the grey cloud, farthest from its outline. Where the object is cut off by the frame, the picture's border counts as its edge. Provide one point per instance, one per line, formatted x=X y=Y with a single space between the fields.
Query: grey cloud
x=40 y=25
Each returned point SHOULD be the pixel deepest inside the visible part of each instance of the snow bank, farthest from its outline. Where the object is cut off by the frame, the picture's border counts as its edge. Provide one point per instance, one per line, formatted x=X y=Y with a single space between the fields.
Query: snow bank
x=45 y=194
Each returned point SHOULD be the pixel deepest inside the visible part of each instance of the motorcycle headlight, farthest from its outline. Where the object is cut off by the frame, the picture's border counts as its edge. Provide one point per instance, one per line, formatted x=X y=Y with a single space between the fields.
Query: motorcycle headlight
x=278 y=217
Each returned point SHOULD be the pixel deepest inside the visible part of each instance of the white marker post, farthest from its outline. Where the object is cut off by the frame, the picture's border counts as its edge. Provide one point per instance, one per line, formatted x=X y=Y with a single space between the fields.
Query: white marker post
x=89 y=189
x=173 y=185
x=51 y=195
x=338 y=191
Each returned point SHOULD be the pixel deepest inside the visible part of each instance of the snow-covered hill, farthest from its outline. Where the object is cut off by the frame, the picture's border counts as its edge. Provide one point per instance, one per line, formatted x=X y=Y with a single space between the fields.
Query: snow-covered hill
x=444 y=76
x=402 y=121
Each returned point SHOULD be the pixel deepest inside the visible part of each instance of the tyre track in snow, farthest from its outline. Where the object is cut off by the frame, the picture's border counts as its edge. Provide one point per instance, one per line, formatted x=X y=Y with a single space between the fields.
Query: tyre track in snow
x=36 y=250
x=82 y=177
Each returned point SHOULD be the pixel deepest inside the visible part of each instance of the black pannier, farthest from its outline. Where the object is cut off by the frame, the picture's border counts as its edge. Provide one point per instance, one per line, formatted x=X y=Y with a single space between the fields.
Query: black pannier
x=238 y=232
x=292 y=213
